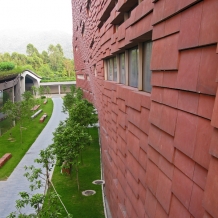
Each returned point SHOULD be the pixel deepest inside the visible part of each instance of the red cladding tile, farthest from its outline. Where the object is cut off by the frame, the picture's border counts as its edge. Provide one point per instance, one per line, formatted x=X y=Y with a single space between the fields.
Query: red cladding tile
x=185 y=134
x=195 y=207
x=122 y=146
x=208 y=70
x=214 y=120
x=187 y=77
x=190 y=27
x=142 y=177
x=153 y=155
x=166 y=146
x=133 y=116
x=154 y=137
x=210 y=200
x=158 y=48
x=121 y=105
x=150 y=204
x=163 y=193
x=200 y=176
x=132 y=165
x=145 y=99
x=144 y=124
x=170 y=7
x=182 y=187
x=160 y=212
x=178 y=210
x=168 y=120
x=170 y=97
x=202 y=144
x=157 y=94
x=205 y=106
x=132 y=184
x=213 y=143
x=129 y=208
x=133 y=145
x=158 y=11
x=134 y=100
x=155 y=113
x=152 y=176
x=184 y=163
x=188 y=101
x=166 y=167
x=172 y=25
x=157 y=78
x=169 y=79
x=140 y=208
x=121 y=119
x=209 y=23
x=170 y=50
x=158 y=31
x=143 y=158
x=207 y=215
x=142 y=192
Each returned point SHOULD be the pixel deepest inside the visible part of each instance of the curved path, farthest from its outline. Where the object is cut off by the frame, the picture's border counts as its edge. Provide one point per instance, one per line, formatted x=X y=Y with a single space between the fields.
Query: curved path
x=17 y=182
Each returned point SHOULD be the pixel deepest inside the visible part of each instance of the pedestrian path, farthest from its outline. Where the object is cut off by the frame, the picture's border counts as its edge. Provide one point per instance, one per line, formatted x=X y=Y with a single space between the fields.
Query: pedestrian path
x=17 y=182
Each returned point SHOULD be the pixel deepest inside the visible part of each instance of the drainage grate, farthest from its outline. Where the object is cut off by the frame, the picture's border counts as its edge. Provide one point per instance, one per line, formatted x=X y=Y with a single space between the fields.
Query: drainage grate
x=88 y=192
x=98 y=182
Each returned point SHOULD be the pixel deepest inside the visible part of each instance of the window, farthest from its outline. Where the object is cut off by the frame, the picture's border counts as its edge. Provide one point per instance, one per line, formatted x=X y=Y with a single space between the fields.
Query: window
x=112 y=69
x=133 y=67
x=122 y=68
x=80 y=76
x=146 y=75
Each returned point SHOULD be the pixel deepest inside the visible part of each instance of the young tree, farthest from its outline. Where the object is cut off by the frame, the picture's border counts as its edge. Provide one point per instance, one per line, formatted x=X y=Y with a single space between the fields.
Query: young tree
x=34 y=90
x=69 y=141
x=64 y=88
x=40 y=177
x=41 y=90
x=47 y=89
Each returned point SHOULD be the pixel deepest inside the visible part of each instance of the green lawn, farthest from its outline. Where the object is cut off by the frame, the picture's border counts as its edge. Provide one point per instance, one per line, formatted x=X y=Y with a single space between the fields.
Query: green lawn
x=5 y=125
x=31 y=130
x=78 y=205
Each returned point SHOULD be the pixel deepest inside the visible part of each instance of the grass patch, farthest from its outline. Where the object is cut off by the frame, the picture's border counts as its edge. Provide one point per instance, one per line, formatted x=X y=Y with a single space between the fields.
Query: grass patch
x=5 y=125
x=32 y=128
x=77 y=204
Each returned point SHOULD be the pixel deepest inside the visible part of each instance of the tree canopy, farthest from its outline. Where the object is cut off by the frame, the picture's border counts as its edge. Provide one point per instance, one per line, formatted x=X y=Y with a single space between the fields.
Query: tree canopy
x=50 y=64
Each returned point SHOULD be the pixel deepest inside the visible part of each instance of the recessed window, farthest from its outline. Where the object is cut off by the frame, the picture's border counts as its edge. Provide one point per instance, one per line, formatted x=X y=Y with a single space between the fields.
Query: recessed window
x=80 y=76
x=122 y=68
x=83 y=29
x=133 y=67
x=112 y=69
x=88 y=6
x=146 y=76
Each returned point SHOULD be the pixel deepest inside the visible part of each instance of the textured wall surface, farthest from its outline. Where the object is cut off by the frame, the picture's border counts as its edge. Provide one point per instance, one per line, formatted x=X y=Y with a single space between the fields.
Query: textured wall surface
x=159 y=149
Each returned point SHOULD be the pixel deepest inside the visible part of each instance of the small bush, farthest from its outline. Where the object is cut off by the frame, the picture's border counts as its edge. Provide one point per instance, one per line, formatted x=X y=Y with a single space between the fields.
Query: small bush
x=43 y=97
x=4 y=66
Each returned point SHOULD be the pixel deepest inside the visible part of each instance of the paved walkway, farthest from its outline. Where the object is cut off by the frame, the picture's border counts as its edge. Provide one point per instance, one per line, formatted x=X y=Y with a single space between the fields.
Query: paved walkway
x=17 y=182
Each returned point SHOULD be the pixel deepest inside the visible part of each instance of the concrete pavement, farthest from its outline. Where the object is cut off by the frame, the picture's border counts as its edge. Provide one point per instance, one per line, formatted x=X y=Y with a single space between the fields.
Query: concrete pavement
x=17 y=182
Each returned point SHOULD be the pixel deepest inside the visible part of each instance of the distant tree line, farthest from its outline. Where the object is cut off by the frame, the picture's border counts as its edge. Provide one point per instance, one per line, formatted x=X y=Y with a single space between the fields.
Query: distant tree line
x=50 y=64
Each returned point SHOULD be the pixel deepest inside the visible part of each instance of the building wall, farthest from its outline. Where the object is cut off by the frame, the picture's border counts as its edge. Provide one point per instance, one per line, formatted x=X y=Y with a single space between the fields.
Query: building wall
x=159 y=149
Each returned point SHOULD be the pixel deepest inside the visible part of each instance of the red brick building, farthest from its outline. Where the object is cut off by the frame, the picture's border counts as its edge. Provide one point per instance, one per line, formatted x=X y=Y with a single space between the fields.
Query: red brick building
x=151 y=69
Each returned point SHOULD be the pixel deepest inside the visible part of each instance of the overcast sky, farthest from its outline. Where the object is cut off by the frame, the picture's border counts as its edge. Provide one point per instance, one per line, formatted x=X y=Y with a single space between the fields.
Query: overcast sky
x=36 y=15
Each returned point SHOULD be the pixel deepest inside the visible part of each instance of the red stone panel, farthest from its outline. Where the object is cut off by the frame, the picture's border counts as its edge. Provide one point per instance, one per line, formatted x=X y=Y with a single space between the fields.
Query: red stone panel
x=133 y=145
x=163 y=193
x=189 y=63
x=170 y=97
x=184 y=163
x=186 y=130
x=132 y=165
x=153 y=155
x=133 y=101
x=182 y=187
x=160 y=212
x=200 y=176
x=150 y=204
x=202 y=144
x=133 y=184
x=158 y=11
x=213 y=143
x=205 y=106
x=209 y=30
x=178 y=210
x=210 y=200
x=142 y=158
x=169 y=79
x=188 y=101
x=157 y=78
x=155 y=113
x=196 y=208
x=152 y=176
x=166 y=167
x=190 y=27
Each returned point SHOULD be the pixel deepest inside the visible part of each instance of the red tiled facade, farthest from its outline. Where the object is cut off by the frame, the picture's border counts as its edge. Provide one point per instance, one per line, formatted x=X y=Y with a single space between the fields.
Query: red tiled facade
x=159 y=148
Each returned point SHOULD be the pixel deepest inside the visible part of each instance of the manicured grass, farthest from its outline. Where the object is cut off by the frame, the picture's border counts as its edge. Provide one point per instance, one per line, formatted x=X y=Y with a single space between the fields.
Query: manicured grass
x=5 y=125
x=77 y=204
x=32 y=128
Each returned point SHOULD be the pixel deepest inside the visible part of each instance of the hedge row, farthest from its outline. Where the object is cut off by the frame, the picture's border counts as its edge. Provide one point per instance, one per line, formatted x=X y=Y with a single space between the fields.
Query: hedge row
x=4 y=66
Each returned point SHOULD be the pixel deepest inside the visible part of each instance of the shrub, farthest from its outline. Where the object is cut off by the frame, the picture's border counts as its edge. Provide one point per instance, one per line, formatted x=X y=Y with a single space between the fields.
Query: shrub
x=42 y=97
x=4 y=66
